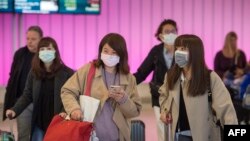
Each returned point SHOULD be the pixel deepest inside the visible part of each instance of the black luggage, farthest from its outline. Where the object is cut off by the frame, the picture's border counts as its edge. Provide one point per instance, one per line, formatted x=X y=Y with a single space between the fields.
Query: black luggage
x=137 y=130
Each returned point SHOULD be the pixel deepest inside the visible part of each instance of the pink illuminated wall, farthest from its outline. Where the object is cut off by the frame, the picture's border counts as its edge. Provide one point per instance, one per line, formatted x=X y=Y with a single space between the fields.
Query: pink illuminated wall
x=78 y=36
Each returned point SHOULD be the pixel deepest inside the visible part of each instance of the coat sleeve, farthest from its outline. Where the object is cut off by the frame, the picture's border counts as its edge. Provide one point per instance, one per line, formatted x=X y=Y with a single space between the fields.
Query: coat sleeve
x=164 y=95
x=26 y=98
x=72 y=88
x=132 y=107
x=221 y=101
x=145 y=68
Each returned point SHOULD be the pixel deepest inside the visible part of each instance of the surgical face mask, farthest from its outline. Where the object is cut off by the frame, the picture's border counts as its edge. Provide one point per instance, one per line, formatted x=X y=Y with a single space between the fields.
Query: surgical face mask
x=47 y=56
x=110 y=60
x=169 y=38
x=181 y=58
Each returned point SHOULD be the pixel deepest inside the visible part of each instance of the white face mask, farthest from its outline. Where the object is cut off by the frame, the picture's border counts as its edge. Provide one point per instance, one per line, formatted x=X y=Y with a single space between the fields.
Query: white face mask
x=110 y=60
x=181 y=58
x=169 y=38
x=47 y=56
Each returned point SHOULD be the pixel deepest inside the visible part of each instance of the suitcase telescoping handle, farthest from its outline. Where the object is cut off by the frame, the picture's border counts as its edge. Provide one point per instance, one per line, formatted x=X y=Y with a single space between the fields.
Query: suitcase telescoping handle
x=169 y=121
x=10 y=117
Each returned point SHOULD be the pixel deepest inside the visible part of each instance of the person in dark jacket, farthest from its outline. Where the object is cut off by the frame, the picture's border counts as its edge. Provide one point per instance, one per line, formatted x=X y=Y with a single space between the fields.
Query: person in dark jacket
x=48 y=74
x=18 y=74
x=159 y=60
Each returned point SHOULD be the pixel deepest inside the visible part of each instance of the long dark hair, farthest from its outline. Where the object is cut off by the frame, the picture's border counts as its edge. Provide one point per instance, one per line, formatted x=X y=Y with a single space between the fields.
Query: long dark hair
x=199 y=71
x=38 y=67
x=117 y=43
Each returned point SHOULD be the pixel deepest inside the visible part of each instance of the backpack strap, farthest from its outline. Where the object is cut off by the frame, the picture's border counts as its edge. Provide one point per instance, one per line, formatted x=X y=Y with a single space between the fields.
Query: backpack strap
x=209 y=88
x=210 y=101
x=210 y=98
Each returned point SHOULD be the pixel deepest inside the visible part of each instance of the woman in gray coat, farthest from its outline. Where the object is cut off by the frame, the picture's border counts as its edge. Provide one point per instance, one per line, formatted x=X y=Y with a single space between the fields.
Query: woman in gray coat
x=184 y=101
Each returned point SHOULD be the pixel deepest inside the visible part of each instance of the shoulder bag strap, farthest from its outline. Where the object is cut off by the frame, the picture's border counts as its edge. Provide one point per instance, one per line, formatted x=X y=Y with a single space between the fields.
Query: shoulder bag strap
x=210 y=99
x=90 y=77
x=217 y=122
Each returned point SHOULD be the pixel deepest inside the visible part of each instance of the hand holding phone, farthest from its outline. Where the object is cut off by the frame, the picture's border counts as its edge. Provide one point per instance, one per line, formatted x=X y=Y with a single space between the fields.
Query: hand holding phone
x=115 y=88
x=116 y=92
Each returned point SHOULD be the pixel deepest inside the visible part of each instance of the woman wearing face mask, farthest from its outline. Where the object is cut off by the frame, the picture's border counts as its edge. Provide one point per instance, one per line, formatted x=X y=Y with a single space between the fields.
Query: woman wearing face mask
x=159 y=60
x=112 y=122
x=184 y=94
x=43 y=85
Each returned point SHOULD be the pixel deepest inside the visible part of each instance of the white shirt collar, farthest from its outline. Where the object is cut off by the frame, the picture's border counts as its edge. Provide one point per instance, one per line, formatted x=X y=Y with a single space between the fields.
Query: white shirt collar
x=182 y=76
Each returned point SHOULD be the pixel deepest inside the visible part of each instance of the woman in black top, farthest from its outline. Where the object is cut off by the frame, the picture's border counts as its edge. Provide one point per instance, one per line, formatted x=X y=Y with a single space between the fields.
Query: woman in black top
x=43 y=85
x=159 y=61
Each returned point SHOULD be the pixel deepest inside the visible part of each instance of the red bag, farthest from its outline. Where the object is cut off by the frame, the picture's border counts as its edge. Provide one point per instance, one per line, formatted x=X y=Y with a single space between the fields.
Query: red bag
x=68 y=130
x=71 y=130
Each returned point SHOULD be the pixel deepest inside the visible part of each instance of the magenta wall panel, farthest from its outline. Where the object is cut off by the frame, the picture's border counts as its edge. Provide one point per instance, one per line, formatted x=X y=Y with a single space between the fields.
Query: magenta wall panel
x=2 y=73
x=237 y=24
x=78 y=36
x=207 y=33
x=8 y=45
x=187 y=18
x=146 y=29
x=217 y=40
x=135 y=34
x=91 y=39
x=56 y=30
x=246 y=28
x=68 y=30
x=6 y=49
x=45 y=22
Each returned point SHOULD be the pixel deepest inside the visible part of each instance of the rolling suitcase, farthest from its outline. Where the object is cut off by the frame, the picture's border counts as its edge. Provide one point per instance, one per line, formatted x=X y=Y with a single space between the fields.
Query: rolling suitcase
x=7 y=135
x=137 y=130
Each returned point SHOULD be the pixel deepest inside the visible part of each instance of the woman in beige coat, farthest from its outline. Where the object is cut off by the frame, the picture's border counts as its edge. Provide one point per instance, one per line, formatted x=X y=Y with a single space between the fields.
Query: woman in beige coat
x=117 y=107
x=184 y=95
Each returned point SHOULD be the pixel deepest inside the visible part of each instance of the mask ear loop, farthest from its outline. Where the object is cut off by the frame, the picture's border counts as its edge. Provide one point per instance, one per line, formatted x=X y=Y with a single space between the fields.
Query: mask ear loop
x=187 y=57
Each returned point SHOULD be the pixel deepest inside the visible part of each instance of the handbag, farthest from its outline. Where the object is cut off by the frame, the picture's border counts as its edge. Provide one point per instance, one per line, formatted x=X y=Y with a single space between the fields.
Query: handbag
x=68 y=130
x=71 y=130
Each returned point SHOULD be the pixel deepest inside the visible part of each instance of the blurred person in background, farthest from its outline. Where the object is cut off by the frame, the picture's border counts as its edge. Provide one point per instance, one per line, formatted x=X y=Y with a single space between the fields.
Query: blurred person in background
x=18 y=74
x=230 y=62
x=159 y=61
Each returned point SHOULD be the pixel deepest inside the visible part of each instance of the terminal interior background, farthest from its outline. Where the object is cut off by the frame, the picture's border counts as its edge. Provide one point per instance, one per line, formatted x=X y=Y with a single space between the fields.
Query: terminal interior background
x=78 y=36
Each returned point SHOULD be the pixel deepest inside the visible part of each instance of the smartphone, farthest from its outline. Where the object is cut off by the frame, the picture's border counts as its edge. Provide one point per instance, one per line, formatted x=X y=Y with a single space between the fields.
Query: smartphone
x=115 y=88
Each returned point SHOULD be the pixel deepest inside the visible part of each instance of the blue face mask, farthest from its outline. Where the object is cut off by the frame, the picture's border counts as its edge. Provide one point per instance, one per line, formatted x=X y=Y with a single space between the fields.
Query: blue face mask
x=110 y=60
x=181 y=58
x=47 y=56
x=169 y=38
